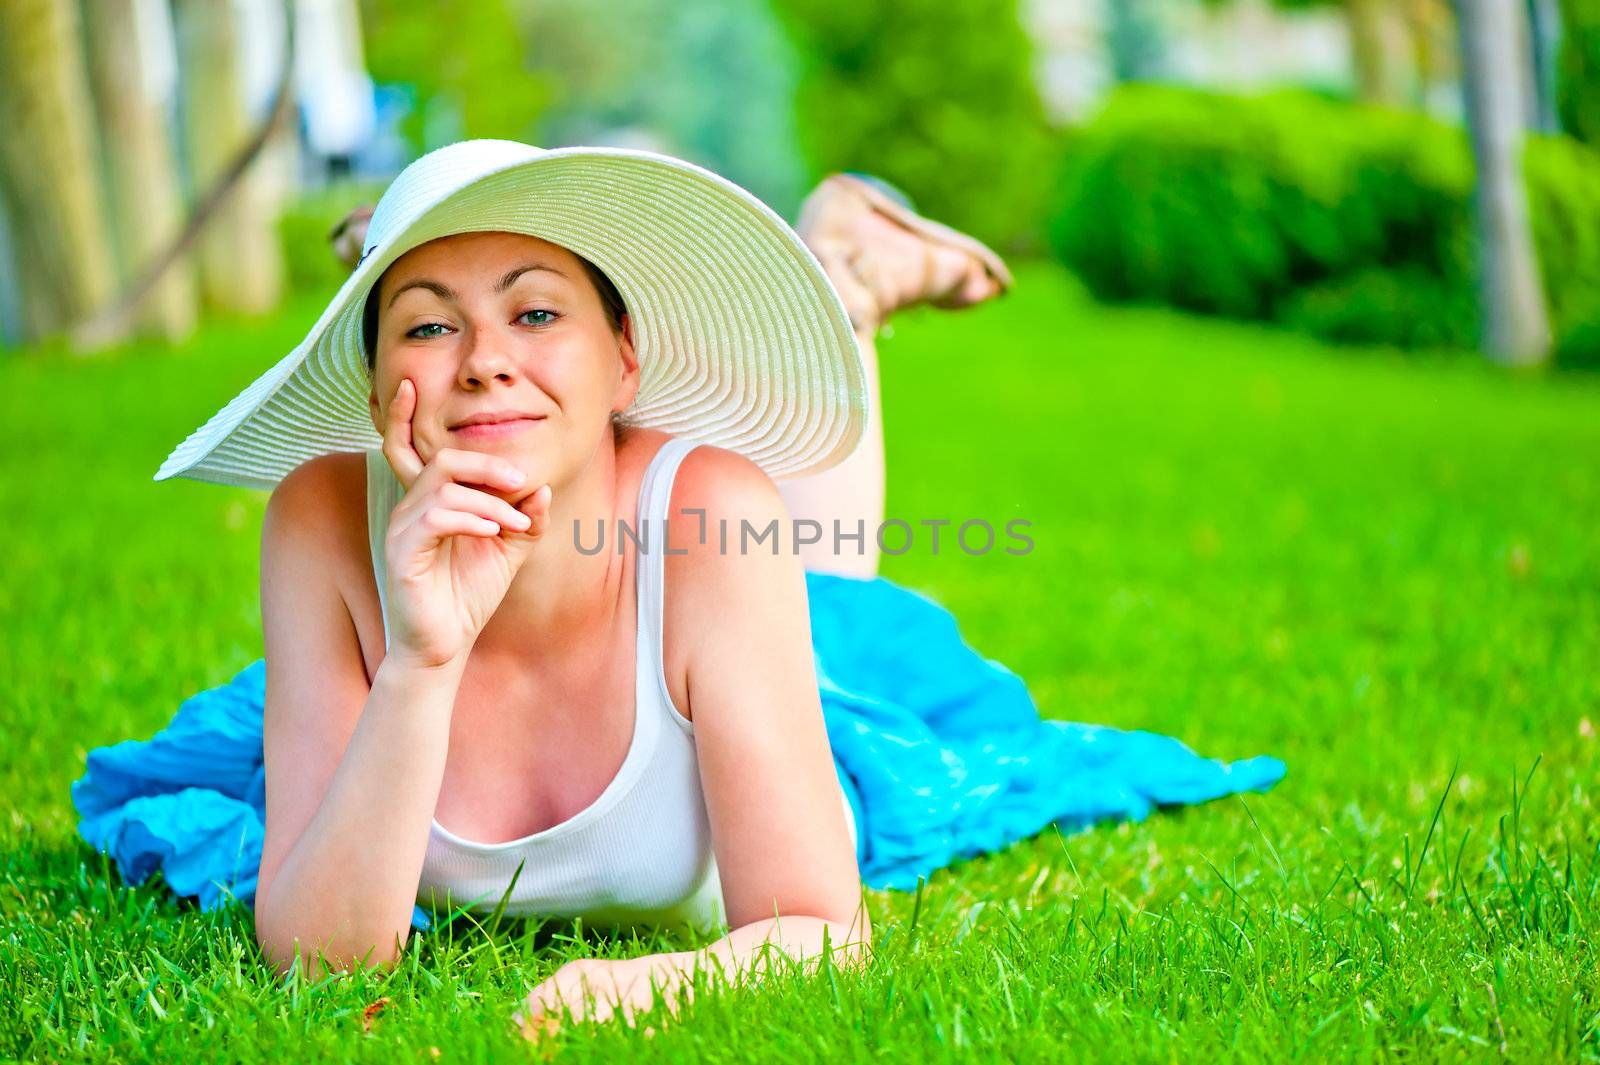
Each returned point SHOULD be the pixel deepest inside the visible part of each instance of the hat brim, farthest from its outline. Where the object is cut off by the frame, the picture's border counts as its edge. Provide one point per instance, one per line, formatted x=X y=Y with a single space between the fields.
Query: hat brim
x=742 y=341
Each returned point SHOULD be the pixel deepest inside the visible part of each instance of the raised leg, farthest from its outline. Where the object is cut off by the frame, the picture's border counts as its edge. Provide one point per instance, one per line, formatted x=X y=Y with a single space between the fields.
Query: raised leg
x=881 y=256
x=849 y=493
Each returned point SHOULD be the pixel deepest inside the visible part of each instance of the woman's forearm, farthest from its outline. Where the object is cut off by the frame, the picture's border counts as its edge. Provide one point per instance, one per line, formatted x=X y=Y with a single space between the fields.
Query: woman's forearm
x=745 y=950
x=597 y=988
x=348 y=885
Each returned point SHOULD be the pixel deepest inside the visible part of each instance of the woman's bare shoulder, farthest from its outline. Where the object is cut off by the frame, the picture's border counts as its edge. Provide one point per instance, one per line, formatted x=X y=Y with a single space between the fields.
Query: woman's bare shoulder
x=317 y=523
x=318 y=511
x=720 y=477
x=731 y=514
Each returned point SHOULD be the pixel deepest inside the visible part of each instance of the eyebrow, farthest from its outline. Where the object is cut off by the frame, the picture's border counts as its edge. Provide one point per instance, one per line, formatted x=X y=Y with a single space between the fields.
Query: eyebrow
x=445 y=292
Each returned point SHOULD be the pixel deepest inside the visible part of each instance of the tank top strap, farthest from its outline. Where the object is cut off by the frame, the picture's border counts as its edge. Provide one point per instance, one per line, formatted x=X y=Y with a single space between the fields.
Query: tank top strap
x=656 y=536
x=384 y=492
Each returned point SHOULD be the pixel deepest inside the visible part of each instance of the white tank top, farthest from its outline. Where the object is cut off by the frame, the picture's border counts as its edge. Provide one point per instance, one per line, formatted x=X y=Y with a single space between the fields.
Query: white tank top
x=641 y=852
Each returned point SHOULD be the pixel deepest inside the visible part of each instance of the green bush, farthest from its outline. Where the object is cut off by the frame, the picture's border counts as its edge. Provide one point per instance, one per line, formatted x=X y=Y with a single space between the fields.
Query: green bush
x=1350 y=222
x=1408 y=307
x=1564 y=191
x=1578 y=70
x=937 y=98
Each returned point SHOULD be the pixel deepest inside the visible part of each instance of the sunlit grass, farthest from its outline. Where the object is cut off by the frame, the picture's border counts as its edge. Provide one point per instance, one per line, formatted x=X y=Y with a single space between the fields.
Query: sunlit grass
x=1381 y=569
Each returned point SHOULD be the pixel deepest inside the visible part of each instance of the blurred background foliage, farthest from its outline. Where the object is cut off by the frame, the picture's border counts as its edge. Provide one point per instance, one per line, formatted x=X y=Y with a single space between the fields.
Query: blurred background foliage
x=1305 y=162
x=1579 y=70
x=1348 y=221
x=466 y=65
x=711 y=80
x=938 y=98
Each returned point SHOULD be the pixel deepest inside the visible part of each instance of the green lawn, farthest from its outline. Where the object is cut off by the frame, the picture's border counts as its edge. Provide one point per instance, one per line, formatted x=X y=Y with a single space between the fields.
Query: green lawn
x=1381 y=569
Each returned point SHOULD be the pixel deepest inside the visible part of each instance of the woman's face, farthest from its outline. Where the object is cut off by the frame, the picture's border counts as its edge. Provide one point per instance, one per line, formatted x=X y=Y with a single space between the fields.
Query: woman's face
x=486 y=323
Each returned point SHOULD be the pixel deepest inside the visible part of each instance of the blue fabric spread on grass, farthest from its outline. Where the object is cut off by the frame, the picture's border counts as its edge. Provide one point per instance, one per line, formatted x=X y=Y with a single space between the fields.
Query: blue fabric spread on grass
x=946 y=749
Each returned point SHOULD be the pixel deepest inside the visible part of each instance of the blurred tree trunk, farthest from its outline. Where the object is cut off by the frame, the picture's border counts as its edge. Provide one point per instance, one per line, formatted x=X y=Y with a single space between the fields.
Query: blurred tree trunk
x=1494 y=79
x=241 y=262
x=1376 y=80
x=1544 y=40
x=49 y=168
x=146 y=200
x=275 y=174
x=1429 y=26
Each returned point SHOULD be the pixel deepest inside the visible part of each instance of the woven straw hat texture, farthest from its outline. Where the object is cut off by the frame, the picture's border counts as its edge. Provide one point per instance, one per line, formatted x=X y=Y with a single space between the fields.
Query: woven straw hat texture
x=742 y=341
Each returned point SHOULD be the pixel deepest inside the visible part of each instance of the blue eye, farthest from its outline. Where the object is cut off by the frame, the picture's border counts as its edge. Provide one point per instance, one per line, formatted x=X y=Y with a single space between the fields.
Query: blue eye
x=425 y=325
x=550 y=316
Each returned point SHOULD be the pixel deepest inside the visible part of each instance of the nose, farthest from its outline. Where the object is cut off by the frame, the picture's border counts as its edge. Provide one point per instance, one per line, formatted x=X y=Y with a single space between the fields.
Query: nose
x=486 y=361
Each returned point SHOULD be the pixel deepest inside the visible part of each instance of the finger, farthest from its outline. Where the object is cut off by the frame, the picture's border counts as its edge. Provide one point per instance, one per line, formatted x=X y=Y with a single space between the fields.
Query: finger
x=537 y=509
x=537 y=505
x=439 y=522
x=605 y=1008
x=471 y=468
x=575 y=995
x=397 y=443
x=537 y=1024
x=458 y=496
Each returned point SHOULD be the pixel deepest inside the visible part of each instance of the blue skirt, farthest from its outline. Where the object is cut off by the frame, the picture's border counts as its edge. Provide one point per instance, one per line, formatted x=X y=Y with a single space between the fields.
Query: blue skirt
x=942 y=752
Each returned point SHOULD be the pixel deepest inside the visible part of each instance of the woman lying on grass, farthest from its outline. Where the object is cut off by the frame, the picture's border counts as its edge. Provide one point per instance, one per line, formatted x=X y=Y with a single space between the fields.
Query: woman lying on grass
x=563 y=644
x=502 y=705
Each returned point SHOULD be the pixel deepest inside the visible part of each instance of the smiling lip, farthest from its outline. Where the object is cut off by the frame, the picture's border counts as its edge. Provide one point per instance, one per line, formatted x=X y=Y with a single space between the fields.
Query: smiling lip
x=496 y=426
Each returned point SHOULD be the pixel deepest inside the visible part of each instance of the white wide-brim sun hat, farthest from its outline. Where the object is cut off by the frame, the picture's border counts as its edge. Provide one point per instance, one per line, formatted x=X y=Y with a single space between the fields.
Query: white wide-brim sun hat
x=742 y=341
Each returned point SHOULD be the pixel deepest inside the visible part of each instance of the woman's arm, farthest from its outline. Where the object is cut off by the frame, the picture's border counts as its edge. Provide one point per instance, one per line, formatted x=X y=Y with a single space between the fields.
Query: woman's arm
x=778 y=822
x=353 y=774
x=788 y=869
x=596 y=988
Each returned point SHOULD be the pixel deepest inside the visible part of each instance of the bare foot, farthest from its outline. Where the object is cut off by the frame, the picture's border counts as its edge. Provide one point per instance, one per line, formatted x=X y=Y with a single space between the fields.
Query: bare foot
x=349 y=236
x=880 y=265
